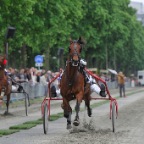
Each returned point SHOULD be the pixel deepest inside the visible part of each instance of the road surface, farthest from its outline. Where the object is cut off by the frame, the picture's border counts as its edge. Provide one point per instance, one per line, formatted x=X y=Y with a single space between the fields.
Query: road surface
x=94 y=130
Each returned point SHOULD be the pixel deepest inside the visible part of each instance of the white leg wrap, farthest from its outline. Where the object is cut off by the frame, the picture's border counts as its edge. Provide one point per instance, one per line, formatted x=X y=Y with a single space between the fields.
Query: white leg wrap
x=58 y=92
x=14 y=88
x=95 y=88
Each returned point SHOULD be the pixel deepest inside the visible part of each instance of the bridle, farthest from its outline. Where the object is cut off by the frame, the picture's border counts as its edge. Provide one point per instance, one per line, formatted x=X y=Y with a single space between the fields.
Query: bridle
x=75 y=54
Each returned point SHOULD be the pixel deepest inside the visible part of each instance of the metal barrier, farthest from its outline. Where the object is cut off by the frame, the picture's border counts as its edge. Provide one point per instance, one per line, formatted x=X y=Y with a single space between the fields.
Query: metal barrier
x=38 y=90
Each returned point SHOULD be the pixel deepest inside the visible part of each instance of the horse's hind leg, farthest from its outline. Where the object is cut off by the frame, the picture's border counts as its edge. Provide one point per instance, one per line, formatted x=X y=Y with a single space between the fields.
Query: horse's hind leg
x=7 y=104
x=87 y=99
x=69 y=121
x=87 y=103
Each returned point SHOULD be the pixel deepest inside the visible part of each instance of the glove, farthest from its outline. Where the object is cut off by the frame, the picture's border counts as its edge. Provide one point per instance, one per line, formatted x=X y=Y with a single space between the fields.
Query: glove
x=83 y=62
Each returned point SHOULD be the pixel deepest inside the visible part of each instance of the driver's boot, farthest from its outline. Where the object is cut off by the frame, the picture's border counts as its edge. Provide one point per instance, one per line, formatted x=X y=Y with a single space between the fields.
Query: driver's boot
x=20 y=88
x=102 y=92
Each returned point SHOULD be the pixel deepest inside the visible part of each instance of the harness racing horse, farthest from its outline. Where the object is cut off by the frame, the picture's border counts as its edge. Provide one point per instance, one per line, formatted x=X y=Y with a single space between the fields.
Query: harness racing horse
x=72 y=84
x=5 y=87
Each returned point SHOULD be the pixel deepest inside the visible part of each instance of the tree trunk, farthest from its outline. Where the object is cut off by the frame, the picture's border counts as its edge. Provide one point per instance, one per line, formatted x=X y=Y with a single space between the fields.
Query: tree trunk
x=23 y=56
x=46 y=57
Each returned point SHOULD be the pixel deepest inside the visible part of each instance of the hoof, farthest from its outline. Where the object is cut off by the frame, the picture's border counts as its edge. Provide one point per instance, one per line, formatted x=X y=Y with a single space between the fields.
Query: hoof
x=90 y=112
x=76 y=123
x=6 y=113
x=69 y=126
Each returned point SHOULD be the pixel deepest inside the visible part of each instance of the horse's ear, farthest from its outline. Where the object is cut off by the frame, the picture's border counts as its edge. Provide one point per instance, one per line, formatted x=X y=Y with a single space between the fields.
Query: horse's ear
x=81 y=40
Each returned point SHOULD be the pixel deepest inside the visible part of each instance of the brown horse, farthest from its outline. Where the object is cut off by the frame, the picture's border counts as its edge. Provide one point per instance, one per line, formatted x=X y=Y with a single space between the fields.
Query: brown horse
x=72 y=84
x=5 y=87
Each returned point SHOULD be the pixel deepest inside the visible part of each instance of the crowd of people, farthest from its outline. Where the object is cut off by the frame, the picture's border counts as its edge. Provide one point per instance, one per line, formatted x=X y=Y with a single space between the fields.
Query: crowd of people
x=34 y=76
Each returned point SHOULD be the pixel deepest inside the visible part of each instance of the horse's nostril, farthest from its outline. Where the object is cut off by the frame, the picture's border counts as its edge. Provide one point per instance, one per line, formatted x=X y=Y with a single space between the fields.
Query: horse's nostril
x=75 y=63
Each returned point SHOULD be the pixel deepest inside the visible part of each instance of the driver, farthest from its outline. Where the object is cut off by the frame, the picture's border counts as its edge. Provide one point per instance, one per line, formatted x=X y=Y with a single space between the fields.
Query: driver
x=89 y=79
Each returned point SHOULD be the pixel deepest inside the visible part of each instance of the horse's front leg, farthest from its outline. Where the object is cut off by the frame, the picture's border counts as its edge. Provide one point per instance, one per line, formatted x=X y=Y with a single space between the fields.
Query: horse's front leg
x=79 y=98
x=67 y=112
x=77 y=109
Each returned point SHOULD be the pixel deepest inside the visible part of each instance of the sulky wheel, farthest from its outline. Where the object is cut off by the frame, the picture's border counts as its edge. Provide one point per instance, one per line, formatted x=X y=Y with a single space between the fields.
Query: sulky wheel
x=113 y=116
x=45 y=119
x=26 y=104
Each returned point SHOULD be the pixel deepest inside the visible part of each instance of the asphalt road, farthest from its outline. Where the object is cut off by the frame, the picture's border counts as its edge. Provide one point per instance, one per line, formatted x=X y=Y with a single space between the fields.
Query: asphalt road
x=95 y=130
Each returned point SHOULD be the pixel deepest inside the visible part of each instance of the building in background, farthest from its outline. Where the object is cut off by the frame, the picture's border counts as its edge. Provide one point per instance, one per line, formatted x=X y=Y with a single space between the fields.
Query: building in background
x=139 y=6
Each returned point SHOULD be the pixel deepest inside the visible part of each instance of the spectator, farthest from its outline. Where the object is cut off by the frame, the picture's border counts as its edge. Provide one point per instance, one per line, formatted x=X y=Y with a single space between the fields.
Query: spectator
x=43 y=80
x=32 y=82
x=38 y=75
x=43 y=72
x=103 y=76
x=121 y=83
x=33 y=76
x=22 y=75
x=57 y=85
x=55 y=92
x=27 y=74
x=50 y=76
x=13 y=74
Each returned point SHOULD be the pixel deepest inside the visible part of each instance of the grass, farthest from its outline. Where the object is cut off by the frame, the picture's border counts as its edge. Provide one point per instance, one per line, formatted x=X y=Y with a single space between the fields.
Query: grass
x=27 y=125
x=8 y=132
x=17 y=128
x=56 y=116
x=23 y=126
x=39 y=121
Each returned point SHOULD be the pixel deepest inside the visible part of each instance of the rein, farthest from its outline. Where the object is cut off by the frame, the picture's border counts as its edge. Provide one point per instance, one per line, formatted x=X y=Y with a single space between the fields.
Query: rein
x=71 y=71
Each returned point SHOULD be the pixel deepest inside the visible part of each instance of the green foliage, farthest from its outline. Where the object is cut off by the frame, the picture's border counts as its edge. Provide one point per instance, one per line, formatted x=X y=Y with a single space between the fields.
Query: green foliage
x=109 y=28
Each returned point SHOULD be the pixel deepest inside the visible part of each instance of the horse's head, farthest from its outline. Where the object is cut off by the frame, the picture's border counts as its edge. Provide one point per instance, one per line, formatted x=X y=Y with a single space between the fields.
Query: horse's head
x=3 y=61
x=75 y=50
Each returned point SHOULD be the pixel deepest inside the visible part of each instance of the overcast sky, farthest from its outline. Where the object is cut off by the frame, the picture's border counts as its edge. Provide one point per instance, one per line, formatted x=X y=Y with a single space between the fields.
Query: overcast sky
x=138 y=1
